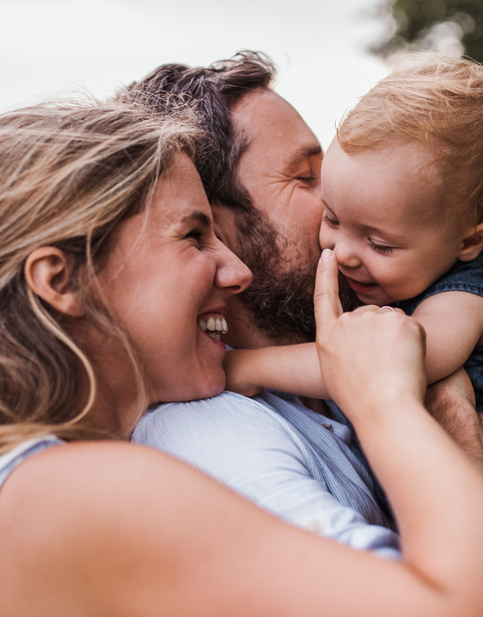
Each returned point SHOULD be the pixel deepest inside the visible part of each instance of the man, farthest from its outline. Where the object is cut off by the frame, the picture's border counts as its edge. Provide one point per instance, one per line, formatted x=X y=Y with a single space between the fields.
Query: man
x=262 y=177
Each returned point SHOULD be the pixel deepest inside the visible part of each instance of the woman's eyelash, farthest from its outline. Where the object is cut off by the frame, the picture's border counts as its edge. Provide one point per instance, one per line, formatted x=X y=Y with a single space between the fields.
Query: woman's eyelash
x=380 y=248
x=196 y=234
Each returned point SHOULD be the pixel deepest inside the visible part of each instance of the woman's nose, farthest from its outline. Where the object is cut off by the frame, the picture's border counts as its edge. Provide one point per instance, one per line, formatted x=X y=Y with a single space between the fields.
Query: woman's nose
x=232 y=273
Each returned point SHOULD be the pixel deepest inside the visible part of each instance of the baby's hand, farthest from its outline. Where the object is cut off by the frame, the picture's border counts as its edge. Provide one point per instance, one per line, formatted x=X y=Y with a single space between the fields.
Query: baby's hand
x=238 y=365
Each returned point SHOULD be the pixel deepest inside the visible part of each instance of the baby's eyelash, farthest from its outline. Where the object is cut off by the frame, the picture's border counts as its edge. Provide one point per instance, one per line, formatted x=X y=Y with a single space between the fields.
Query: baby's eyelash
x=333 y=222
x=380 y=248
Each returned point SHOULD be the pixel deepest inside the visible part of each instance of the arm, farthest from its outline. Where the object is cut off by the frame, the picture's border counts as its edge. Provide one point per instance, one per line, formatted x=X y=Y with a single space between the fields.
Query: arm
x=451 y=402
x=294 y=368
x=120 y=530
x=257 y=448
x=412 y=456
x=291 y=368
x=453 y=322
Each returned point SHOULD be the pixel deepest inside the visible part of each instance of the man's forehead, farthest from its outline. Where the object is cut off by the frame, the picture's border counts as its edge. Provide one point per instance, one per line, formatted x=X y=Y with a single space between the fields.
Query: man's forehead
x=257 y=101
x=267 y=120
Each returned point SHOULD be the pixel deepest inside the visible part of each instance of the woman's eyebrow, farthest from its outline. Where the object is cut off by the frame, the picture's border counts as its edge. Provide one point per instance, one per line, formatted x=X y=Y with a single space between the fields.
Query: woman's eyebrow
x=200 y=217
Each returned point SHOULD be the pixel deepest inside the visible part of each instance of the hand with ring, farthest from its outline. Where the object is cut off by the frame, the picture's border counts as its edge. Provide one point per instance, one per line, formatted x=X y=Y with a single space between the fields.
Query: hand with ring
x=365 y=360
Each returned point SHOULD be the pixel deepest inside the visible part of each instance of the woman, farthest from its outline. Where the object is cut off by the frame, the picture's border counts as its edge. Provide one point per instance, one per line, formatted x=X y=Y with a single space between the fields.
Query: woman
x=108 y=265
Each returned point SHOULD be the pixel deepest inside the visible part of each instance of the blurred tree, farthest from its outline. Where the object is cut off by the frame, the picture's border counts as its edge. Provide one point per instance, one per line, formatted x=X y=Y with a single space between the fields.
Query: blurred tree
x=451 y=26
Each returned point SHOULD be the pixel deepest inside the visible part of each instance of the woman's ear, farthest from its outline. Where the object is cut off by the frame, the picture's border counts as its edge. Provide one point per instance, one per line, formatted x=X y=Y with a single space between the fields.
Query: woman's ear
x=48 y=272
x=472 y=244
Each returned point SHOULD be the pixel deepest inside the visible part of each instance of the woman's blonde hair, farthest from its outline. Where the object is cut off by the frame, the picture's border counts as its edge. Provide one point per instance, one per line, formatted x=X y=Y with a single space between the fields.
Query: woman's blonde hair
x=68 y=176
x=437 y=101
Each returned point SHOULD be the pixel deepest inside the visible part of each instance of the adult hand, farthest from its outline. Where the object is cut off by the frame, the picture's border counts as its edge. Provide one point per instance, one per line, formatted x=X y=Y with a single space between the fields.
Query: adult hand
x=369 y=358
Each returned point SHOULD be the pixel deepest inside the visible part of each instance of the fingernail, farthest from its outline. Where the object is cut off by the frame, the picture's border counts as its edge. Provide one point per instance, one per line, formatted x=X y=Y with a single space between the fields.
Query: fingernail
x=326 y=254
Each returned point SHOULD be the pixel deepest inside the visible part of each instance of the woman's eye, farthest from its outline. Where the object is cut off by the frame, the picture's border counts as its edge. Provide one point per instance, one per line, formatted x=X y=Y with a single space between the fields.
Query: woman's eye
x=380 y=248
x=195 y=234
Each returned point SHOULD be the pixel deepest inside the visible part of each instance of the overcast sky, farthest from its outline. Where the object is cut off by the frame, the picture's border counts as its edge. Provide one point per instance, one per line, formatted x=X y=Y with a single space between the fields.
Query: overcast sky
x=52 y=47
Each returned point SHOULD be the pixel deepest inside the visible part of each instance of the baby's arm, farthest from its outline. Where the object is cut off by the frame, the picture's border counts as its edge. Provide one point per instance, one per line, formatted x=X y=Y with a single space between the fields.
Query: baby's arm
x=294 y=369
x=453 y=321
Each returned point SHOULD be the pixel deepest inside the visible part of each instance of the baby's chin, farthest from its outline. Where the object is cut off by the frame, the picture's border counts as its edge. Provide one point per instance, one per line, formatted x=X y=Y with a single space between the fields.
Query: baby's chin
x=348 y=296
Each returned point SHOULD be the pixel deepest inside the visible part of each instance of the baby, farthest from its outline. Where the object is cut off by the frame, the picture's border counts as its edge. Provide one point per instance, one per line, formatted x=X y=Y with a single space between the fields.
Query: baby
x=402 y=188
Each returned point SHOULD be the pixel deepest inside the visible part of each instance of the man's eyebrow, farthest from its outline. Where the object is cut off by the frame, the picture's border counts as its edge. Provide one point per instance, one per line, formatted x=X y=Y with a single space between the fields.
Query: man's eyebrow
x=304 y=153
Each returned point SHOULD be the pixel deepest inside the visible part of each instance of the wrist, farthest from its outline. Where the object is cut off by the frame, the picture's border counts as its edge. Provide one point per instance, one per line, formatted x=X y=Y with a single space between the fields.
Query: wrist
x=377 y=411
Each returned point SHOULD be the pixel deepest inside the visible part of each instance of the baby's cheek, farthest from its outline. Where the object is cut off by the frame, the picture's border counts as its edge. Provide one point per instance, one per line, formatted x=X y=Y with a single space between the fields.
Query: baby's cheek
x=325 y=237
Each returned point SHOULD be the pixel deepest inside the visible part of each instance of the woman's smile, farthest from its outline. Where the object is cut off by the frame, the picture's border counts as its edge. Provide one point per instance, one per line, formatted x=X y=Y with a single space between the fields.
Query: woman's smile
x=214 y=325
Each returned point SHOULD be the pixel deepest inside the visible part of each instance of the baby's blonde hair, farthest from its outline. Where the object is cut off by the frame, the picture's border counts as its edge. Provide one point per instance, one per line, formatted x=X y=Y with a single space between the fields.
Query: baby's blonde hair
x=437 y=101
x=68 y=176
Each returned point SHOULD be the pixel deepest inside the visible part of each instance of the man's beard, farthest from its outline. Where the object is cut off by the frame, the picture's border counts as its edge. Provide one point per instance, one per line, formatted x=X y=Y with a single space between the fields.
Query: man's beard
x=281 y=295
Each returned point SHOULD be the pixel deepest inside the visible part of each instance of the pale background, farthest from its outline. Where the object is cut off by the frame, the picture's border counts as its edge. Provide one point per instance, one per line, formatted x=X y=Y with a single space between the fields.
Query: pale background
x=50 y=48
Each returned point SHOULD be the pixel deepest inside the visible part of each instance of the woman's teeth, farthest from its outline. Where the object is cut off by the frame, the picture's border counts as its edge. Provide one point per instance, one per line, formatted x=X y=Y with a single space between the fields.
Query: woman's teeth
x=216 y=326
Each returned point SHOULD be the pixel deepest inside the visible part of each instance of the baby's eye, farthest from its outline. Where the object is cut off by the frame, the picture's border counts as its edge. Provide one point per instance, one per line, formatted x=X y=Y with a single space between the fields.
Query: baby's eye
x=330 y=220
x=380 y=248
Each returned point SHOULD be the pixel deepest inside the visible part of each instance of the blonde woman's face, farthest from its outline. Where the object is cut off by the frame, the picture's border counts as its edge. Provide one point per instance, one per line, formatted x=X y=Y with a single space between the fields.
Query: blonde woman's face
x=168 y=279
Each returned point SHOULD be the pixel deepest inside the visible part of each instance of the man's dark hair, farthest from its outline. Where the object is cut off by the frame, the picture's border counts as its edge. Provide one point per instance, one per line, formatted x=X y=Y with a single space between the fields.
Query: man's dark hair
x=214 y=91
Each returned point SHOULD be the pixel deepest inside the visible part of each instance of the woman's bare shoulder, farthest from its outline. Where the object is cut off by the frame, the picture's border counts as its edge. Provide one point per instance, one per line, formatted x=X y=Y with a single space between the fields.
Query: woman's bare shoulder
x=86 y=481
x=75 y=520
x=77 y=470
x=73 y=516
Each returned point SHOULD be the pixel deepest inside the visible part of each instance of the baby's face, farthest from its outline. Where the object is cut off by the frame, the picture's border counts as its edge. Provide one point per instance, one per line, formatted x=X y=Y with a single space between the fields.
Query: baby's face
x=383 y=220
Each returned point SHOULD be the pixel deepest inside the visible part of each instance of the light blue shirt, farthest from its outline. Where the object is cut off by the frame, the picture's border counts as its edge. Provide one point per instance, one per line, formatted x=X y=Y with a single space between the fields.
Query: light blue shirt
x=300 y=465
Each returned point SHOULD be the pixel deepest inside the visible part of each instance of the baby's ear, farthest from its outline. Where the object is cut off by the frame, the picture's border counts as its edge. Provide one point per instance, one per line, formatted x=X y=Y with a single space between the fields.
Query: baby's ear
x=48 y=272
x=472 y=244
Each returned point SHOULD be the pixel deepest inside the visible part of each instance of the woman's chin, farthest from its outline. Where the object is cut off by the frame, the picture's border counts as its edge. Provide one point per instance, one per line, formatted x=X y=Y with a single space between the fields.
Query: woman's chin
x=211 y=386
x=215 y=387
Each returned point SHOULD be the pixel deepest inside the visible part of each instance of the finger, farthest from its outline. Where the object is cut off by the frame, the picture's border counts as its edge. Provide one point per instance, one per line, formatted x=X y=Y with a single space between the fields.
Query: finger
x=423 y=336
x=326 y=297
x=367 y=308
x=390 y=309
